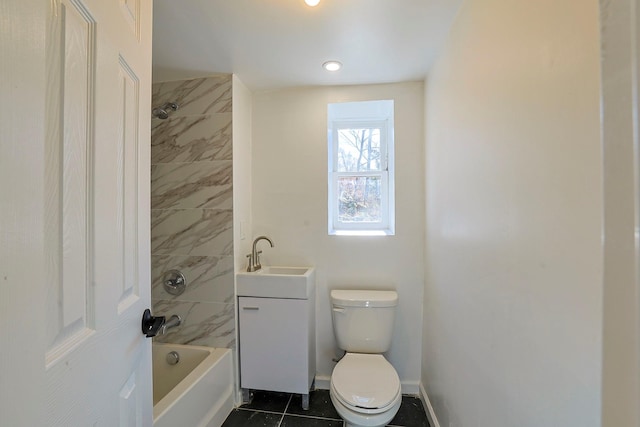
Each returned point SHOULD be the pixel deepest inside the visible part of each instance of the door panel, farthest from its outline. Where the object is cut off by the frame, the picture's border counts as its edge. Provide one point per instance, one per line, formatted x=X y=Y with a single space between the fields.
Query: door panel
x=97 y=229
x=69 y=169
x=128 y=110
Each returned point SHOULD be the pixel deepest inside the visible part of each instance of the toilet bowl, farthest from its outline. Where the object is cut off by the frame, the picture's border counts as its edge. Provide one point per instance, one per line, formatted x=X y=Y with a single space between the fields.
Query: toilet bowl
x=365 y=388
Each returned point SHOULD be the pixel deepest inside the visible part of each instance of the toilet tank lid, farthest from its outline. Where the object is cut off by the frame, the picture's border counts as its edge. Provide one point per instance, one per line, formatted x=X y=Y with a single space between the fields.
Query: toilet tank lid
x=364 y=298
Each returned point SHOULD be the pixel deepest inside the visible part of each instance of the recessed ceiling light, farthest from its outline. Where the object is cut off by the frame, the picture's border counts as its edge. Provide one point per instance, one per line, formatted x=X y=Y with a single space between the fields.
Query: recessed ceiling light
x=332 y=65
x=312 y=2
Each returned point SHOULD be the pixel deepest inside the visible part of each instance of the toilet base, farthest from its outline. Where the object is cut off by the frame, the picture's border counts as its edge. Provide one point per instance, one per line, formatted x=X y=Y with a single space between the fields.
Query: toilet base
x=357 y=419
x=348 y=424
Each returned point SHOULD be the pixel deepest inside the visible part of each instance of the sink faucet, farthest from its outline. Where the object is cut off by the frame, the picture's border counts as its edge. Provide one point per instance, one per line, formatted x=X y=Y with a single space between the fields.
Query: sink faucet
x=254 y=256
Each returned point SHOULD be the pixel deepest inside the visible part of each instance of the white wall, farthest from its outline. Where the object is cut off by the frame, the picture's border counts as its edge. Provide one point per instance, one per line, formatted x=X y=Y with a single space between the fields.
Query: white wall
x=290 y=206
x=241 y=131
x=513 y=295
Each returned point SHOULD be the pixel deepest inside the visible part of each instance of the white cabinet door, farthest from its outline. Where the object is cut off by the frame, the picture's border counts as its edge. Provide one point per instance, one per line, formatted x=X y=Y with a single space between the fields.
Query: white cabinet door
x=274 y=344
x=75 y=222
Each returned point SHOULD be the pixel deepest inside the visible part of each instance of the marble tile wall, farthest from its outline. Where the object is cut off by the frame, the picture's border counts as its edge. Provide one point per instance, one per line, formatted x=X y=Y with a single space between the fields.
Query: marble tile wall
x=192 y=209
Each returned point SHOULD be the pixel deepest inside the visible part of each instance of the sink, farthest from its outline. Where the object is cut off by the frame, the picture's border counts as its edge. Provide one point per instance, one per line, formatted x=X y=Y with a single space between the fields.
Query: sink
x=285 y=271
x=277 y=282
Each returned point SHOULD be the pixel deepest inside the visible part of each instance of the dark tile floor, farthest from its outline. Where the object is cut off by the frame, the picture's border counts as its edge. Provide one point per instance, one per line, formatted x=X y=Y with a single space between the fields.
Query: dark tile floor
x=270 y=409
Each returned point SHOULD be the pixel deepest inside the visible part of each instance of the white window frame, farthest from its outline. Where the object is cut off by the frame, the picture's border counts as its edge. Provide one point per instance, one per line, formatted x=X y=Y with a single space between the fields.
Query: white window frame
x=372 y=118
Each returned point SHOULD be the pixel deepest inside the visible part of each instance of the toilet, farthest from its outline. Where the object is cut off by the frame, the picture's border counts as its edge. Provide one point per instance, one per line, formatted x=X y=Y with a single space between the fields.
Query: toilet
x=365 y=388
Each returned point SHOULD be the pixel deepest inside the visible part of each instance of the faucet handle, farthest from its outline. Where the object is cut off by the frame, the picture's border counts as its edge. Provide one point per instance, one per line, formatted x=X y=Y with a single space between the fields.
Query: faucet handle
x=250 y=267
x=254 y=261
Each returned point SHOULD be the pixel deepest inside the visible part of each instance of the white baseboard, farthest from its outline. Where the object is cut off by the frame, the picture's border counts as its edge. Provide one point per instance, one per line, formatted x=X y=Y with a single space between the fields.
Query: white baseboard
x=323 y=382
x=410 y=387
x=431 y=415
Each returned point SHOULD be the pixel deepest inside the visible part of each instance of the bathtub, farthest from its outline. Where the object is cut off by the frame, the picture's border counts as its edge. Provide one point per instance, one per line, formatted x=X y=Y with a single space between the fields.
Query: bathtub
x=197 y=391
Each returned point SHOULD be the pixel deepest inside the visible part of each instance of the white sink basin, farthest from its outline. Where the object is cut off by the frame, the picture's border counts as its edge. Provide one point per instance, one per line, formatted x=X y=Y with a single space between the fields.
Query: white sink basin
x=277 y=282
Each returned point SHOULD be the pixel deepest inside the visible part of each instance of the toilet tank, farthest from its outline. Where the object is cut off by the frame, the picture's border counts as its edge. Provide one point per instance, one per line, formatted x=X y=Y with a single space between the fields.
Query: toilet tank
x=363 y=320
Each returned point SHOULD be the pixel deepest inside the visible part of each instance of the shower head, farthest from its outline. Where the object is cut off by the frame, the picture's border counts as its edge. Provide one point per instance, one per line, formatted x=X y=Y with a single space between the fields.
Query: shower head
x=163 y=112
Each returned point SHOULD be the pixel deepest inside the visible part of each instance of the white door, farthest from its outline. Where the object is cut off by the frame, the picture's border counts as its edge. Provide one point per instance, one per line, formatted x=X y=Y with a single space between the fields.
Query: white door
x=74 y=215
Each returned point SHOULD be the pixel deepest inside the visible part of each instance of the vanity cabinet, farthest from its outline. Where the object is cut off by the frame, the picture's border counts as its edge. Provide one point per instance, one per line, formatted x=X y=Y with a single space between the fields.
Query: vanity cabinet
x=277 y=344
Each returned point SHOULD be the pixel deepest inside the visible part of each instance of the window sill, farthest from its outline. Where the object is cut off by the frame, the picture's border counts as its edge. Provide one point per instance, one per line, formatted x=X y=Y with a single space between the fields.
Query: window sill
x=361 y=233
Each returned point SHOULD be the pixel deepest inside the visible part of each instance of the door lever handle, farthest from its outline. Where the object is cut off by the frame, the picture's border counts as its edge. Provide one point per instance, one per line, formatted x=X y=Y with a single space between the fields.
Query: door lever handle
x=151 y=325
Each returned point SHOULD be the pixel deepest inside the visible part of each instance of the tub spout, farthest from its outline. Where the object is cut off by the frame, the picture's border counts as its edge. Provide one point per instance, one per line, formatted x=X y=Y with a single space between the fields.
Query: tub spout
x=173 y=321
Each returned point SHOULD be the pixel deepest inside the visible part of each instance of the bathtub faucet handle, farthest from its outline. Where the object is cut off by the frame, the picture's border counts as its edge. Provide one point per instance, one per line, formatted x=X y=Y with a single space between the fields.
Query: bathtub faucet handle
x=174 y=282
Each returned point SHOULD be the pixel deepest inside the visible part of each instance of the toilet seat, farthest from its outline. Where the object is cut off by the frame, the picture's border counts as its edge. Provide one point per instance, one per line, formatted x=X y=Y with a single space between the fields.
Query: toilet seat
x=365 y=383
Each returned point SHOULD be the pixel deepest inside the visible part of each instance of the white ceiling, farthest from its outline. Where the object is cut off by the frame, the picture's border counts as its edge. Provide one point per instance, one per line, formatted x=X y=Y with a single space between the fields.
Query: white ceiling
x=280 y=43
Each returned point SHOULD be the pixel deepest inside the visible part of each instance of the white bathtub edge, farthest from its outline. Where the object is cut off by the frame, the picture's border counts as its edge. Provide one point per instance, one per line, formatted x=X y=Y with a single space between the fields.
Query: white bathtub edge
x=165 y=413
x=221 y=409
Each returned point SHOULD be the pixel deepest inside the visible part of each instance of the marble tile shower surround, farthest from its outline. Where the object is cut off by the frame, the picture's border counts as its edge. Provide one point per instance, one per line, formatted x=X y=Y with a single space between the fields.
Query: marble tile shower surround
x=191 y=139
x=192 y=185
x=192 y=209
x=204 y=232
x=195 y=97
x=210 y=278
x=204 y=323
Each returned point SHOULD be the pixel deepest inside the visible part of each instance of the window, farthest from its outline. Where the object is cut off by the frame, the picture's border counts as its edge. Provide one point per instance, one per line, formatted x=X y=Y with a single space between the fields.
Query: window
x=360 y=141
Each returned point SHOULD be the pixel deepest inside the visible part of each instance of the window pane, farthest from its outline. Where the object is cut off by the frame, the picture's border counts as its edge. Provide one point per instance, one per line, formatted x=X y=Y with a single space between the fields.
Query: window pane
x=359 y=150
x=359 y=199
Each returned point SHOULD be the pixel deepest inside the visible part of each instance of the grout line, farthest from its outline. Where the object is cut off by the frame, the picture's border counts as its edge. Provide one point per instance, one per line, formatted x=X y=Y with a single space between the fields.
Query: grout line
x=285 y=410
x=258 y=410
x=313 y=417
x=288 y=403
